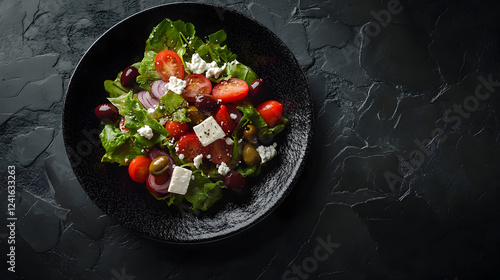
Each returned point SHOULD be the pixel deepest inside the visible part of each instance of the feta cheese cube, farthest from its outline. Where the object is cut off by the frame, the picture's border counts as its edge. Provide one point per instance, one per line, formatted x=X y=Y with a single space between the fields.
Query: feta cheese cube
x=179 y=181
x=208 y=131
x=145 y=131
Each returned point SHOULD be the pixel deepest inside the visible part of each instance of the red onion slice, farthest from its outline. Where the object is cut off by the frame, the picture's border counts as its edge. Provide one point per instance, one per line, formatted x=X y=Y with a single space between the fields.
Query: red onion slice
x=147 y=100
x=158 y=89
x=159 y=188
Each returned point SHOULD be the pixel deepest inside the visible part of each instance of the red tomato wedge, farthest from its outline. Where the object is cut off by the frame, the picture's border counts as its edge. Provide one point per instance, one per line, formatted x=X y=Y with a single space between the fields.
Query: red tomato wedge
x=176 y=129
x=167 y=64
x=270 y=111
x=220 y=151
x=223 y=118
x=196 y=85
x=138 y=169
x=230 y=90
x=190 y=146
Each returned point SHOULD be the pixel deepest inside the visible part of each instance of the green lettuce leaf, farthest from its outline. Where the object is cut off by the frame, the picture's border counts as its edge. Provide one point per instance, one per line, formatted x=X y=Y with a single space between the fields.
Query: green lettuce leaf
x=251 y=115
x=119 y=146
x=147 y=70
x=137 y=117
x=114 y=87
x=251 y=171
x=202 y=192
x=240 y=71
x=166 y=36
x=173 y=106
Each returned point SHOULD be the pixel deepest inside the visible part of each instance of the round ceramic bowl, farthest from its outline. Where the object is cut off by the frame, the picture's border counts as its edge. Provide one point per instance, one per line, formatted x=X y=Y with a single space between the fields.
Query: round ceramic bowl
x=129 y=203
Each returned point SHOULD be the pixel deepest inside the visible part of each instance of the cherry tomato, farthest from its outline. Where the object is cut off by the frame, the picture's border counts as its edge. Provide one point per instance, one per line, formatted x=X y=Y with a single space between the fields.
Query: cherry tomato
x=138 y=169
x=167 y=64
x=225 y=121
x=220 y=151
x=176 y=129
x=190 y=146
x=230 y=90
x=196 y=84
x=270 y=111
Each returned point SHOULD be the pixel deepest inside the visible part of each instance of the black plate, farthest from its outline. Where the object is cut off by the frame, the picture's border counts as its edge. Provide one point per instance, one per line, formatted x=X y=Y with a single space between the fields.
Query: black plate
x=129 y=203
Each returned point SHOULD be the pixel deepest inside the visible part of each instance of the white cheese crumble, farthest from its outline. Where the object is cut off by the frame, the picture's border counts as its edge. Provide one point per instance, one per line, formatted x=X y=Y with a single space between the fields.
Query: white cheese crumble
x=151 y=112
x=208 y=131
x=233 y=116
x=197 y=64
x=163 y=121
x=214 y=70
x=267 y=153
x=146 y=132
x=229 y=141
x=179 y=182
x=175 y=85
x=198 y=160
x=181 y=156
x=171 y=143
x=223 y=169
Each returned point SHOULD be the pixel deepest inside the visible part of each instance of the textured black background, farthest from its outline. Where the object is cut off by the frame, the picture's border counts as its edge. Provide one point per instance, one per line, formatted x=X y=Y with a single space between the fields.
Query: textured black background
x=403 y=175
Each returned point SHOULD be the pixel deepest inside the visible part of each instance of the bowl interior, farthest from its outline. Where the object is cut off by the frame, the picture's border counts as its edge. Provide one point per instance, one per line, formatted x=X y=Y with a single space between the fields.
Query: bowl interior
x=129 y=203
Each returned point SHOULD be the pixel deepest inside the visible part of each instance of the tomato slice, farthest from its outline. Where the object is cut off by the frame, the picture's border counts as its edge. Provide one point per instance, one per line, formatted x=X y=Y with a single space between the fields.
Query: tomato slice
x=138 y=169
x=176 y=129
x=271 y=111
x=225 y=121
x=196 y=84
x=167 y=64
x=190 y=146
x=220 y=151
x=230 y=90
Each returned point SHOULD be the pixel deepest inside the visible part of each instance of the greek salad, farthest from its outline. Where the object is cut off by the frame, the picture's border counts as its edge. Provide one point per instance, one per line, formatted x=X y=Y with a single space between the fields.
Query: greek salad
x=189 y=119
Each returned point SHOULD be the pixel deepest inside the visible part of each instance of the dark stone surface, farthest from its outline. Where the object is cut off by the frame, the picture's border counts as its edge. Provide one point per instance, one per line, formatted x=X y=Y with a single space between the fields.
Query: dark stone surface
x=402 y=180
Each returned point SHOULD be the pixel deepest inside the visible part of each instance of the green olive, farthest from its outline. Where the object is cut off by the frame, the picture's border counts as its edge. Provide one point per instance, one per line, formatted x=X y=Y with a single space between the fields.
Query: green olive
x=159 y=165
x=250 y=155
x=250 y=134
